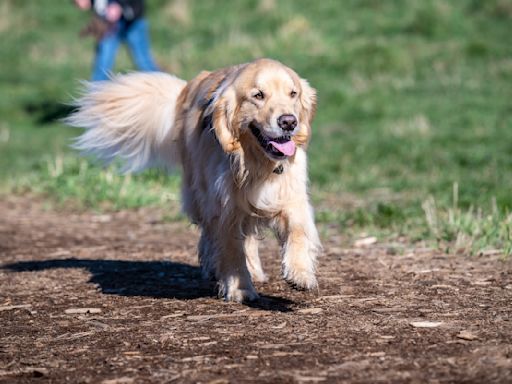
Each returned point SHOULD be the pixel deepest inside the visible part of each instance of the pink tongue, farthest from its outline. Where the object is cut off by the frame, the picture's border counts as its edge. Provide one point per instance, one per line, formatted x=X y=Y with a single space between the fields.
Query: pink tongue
x=287 y=148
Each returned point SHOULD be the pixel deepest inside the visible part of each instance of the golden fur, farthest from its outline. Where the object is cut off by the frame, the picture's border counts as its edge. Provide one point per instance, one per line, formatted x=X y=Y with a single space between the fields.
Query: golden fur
x=240 y=135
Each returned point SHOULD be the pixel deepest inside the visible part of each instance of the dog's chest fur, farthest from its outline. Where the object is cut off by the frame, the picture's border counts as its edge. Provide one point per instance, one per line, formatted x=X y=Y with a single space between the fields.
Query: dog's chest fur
x=268 y=197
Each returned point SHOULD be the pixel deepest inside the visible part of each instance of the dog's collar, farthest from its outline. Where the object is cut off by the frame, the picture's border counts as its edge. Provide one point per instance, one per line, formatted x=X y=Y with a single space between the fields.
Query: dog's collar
x=207 y=119
x=279 y=169
x=207 y=123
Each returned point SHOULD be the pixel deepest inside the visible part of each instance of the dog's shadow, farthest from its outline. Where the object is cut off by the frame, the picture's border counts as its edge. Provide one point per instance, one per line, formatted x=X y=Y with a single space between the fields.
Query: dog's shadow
x=157 y=279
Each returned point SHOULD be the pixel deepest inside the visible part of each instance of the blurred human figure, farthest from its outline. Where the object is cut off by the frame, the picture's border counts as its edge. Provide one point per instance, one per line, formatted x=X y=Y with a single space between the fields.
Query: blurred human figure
x=118 y=21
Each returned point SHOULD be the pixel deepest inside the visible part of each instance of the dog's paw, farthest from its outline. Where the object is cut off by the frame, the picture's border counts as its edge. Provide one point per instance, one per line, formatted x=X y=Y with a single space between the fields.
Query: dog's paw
x=259 y=276
x=241 y=295
x=303 y=280
x=232 y=292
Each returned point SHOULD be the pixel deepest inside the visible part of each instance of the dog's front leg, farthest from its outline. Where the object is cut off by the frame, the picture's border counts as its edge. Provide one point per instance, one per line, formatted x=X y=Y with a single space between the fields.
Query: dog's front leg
x=232 y=274
x=300 y=245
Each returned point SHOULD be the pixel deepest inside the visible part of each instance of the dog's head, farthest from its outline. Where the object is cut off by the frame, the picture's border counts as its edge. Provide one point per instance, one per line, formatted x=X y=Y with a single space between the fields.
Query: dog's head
x=265 y=102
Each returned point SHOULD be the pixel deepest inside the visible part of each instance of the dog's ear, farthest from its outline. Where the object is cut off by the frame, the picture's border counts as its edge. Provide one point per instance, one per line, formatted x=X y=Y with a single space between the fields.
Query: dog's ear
x=308 y=102
x=222 y=110
x=307 y=111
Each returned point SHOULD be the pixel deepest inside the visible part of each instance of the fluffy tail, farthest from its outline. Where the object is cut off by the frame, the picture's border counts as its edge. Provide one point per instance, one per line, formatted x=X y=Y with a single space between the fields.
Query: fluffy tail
x=128 y=117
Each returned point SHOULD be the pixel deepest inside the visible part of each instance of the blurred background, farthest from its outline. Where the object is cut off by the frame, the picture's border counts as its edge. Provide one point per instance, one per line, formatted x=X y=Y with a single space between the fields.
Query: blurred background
x=413 y=134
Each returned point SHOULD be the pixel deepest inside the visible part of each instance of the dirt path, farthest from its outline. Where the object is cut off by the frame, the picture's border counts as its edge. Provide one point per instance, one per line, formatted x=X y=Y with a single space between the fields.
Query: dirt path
x=154 y=320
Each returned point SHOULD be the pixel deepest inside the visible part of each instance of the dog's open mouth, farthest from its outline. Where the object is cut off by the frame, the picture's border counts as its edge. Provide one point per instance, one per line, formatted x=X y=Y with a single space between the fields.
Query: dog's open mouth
x=279 y=147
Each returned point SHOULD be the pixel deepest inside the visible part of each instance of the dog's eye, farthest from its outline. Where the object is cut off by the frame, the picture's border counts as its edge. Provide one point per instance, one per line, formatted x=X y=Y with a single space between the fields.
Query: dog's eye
x=293 y=94
x=259 y=95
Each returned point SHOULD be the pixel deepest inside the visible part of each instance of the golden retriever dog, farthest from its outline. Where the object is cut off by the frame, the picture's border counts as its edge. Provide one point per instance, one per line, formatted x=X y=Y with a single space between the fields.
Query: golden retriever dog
x=240 y=136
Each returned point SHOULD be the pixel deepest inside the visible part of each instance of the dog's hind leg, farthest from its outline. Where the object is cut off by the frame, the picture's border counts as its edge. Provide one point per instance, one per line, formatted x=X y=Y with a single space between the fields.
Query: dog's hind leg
x=253 y=259
x=206 y=255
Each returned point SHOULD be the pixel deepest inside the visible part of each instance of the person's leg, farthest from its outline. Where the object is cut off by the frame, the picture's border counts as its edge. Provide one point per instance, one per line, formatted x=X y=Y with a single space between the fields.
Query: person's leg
x=137 y=38
x=106 y=51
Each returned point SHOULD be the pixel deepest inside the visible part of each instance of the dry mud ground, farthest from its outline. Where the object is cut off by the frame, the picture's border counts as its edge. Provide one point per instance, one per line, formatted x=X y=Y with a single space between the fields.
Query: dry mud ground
x=118 y=298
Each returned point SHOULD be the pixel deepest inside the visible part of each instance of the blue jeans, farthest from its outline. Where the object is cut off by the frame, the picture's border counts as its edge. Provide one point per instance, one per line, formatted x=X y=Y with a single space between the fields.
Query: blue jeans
x=136 y=36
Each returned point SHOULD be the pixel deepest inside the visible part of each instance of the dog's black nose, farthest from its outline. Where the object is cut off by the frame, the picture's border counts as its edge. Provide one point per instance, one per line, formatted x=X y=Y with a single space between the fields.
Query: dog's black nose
x=287 y=122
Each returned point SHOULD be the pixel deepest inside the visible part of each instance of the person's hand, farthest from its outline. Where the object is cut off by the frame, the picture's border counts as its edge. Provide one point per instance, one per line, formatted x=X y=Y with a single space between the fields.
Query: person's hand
x=114 y=12
x=83 y=4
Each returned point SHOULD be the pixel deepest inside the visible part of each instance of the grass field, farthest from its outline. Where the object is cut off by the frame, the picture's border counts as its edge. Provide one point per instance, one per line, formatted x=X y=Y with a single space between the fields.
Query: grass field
x=413 y=134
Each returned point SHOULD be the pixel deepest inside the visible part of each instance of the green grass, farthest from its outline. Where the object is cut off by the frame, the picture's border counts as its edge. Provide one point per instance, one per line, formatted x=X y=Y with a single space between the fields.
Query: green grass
x=414 y=98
